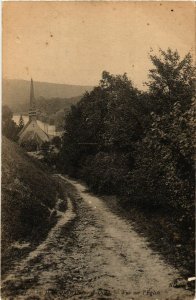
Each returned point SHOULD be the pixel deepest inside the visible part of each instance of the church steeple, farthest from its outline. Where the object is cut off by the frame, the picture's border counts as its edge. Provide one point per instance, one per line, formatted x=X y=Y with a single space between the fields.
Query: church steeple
x=32 y=98
x=32 y=108
x=32 y=136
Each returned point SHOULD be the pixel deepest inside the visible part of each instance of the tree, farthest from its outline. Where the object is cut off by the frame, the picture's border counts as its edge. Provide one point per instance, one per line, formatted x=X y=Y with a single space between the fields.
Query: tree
x=171 y=80
x=123 y=123
x=9 y=127
x=163 y=174
x=21 y=123
x=70 y=152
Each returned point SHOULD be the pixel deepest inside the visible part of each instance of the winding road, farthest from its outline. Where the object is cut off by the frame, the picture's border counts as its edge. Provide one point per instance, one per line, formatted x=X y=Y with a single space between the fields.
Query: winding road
x=92 y=253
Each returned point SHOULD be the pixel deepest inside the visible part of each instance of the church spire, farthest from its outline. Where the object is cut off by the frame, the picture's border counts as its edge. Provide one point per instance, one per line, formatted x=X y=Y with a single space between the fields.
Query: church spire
x=32 y=108
x=32 y=98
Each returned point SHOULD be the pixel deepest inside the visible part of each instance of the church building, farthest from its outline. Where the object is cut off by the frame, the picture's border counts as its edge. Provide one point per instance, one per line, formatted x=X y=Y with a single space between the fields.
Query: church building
x=32 y=136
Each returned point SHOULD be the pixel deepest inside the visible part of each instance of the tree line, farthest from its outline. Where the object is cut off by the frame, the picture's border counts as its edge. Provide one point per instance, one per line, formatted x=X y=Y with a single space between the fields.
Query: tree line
x=137 y=144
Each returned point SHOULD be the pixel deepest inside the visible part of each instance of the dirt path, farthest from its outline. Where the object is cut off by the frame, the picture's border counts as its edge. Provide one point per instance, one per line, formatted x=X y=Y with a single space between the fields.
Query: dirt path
x=92 y=253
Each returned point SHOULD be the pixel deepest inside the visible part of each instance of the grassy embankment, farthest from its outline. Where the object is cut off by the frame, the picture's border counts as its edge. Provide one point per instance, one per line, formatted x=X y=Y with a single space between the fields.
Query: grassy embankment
x=29 y=195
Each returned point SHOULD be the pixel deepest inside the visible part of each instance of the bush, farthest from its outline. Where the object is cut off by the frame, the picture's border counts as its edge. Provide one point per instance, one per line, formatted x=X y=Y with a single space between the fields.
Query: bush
x=105 y=172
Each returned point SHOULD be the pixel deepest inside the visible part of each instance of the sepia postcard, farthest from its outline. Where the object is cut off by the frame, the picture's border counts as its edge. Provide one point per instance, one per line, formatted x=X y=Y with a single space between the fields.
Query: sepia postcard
x=98 y=132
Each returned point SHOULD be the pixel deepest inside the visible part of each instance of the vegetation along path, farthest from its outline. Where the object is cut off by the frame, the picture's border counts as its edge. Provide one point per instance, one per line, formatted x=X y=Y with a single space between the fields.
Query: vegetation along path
x=91 y=253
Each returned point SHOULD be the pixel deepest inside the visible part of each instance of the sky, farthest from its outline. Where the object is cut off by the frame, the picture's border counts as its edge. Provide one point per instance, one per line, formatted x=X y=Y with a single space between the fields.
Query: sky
x=73 y=42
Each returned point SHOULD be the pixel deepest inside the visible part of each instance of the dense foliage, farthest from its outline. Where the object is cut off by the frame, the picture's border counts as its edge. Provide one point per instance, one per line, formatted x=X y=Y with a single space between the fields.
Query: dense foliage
x=9 y=127
x=138 y=145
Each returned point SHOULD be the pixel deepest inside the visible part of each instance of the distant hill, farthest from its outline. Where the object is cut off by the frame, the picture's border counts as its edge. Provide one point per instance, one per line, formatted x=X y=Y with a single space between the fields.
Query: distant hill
x=53 y=105
x=16 y=93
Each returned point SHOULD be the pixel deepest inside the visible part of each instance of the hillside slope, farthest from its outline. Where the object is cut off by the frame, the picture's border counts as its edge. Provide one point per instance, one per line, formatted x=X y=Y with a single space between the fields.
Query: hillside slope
x=16 y=92
x=28 y=195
